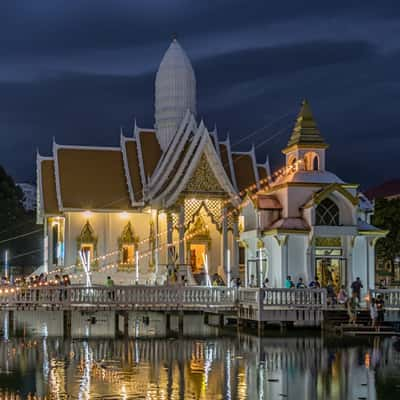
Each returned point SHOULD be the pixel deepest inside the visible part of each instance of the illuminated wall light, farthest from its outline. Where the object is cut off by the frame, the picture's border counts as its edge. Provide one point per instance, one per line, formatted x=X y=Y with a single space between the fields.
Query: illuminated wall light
x=87 y=214
x=124 y=215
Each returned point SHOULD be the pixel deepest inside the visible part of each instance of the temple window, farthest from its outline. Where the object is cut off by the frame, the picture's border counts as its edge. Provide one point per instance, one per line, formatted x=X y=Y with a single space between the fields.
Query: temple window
x=87 y=244
x=128 y=253
x=128 y=244
x=327 y=213
x=57 y=244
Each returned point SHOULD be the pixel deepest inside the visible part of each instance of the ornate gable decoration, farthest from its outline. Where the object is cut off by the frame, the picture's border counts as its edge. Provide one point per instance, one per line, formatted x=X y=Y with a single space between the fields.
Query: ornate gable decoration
x=87 y=235
x=128 y=236
x=198 y=230
x=203 y=179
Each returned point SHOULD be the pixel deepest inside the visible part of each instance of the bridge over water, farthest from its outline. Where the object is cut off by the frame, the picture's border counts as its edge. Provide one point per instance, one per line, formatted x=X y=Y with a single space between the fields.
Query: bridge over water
x=307 y=306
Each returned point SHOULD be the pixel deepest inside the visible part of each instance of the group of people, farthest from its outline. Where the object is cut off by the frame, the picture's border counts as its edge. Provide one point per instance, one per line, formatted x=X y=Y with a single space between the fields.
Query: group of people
x=376 y=305
x=37 y=280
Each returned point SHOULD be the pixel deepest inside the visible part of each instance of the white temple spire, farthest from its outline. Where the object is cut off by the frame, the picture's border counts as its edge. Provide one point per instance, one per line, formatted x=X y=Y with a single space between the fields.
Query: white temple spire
x=175 y=93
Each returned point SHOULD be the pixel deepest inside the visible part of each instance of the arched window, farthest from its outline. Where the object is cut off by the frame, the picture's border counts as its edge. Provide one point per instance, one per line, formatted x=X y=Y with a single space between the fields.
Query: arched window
x=292 y=160
x=327 y=213
x=315 y=163
x=311 y=161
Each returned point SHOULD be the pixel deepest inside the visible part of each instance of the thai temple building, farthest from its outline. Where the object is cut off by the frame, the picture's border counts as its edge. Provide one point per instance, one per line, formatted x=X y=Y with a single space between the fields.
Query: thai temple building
x=177 y=198
x=308 y=222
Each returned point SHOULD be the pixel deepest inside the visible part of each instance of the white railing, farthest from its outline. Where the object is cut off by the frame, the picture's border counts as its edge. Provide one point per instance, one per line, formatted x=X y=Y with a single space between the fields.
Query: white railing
x=178 y=297
x=315 y=298
x=391 y=297
x=126 y=296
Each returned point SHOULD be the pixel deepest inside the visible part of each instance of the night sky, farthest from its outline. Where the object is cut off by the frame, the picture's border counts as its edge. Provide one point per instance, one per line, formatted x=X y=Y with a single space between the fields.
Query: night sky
x=79 y=70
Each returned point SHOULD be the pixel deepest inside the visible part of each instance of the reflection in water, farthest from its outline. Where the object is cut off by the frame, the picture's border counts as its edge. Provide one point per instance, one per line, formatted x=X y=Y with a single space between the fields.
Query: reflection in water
x=230 y=367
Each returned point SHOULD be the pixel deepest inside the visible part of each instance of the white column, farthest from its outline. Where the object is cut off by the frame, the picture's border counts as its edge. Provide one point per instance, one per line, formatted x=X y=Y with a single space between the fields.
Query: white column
x=50 y=245
x=156 y=258
x=285 y=259
x=224 y=242
x=370 y=262
x=235 y=250
x=45 y=247
x=169 y=237
x=181 y=234
x=348 y=249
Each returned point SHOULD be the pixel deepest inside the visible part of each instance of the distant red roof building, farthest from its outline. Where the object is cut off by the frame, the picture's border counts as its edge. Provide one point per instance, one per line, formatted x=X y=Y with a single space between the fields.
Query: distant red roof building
x=387 y=190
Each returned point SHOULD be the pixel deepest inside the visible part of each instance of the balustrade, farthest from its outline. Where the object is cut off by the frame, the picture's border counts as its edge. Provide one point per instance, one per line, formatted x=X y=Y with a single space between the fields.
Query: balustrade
x=391 y=297
x=193 y=297
x=125 y=296
x=283 y=297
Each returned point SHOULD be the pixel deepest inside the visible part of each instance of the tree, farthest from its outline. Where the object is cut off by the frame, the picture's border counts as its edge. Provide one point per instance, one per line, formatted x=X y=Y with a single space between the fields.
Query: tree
x=15 y=221
x=387 y=216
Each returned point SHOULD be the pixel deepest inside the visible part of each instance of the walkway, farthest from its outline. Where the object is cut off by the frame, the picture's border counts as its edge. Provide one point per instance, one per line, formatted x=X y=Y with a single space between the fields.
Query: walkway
x=250 y=303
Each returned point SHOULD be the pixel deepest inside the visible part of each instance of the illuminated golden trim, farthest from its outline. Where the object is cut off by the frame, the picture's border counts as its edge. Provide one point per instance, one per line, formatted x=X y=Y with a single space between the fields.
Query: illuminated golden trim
x=285 y=231
x=310 y=146
x=295 y=184
x=333 y=187
x=381 y=232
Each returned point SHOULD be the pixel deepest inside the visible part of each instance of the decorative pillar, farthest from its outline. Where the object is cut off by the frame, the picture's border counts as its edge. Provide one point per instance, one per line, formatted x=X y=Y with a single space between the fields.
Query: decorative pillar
x=283 y=243
x=310 y=259
x=235 y=253
x=182 y=234
x=170 y=232
x=157 y=240
x=225 y=243
x=46 y=247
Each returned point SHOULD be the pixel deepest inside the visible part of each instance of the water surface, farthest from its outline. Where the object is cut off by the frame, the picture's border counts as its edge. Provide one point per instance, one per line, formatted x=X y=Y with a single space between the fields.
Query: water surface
x=206 y=364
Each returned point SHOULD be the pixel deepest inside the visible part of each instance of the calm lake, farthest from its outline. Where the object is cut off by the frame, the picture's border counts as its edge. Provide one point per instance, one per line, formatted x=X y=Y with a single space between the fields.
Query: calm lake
x=204 y=364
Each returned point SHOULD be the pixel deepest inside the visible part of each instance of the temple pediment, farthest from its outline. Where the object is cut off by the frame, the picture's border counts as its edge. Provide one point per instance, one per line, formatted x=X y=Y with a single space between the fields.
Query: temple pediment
x=203 y=179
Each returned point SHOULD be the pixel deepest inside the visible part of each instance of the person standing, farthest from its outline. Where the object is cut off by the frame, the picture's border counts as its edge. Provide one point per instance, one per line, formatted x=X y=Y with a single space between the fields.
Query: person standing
x=330 y=292
x=352 y=306
x=266 y=284
x=356 y=287
x=373 y=311
x=342 y=295
x=289 y=283
x=300 y=284
x=315 y=284
x=109 y=285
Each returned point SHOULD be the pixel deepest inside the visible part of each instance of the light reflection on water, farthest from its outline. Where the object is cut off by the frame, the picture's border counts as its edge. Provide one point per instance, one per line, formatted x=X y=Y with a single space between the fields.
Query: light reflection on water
x=220 y=367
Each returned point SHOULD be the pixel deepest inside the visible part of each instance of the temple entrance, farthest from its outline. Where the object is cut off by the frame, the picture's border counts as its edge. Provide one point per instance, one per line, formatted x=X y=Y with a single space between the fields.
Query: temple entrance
x=330 y=266
x=198 y=252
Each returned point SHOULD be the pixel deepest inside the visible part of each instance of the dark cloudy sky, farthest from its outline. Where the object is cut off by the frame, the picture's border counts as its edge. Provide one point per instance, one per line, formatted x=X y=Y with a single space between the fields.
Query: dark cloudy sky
x=78 y=70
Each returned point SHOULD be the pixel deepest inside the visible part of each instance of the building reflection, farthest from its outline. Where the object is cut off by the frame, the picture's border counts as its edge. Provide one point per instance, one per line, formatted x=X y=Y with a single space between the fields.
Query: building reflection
x=237 y=367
